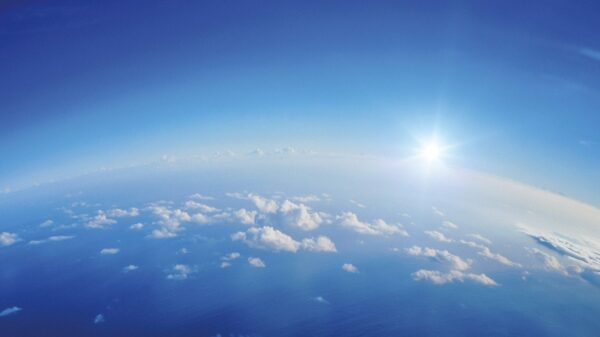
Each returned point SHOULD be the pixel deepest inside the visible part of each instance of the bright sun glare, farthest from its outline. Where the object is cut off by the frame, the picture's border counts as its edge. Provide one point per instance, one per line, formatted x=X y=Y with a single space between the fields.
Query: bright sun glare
x=431 y=151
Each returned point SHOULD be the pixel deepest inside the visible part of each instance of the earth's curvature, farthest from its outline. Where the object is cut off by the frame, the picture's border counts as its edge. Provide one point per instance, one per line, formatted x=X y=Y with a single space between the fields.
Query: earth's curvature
x=297 y=244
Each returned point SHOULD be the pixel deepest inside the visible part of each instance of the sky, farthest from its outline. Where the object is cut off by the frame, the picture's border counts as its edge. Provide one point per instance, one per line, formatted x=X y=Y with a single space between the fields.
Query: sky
x=515 y=86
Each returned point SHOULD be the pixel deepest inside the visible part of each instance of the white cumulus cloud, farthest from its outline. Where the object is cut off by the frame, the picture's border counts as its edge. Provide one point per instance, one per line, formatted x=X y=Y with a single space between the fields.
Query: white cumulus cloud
x=349 y=267
x=256 y=262
x=319 y=244
x=267 y=237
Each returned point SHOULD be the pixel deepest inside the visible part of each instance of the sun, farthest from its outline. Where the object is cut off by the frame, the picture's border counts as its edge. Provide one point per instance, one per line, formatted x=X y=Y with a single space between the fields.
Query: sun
x=431 y=151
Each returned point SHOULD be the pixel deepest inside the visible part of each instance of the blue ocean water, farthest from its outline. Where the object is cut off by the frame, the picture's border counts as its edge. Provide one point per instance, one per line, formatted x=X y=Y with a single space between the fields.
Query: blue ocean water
x=63 y=287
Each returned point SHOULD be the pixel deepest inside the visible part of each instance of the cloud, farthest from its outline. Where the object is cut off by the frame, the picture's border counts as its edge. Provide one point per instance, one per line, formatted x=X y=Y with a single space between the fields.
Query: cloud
x=320 y=299
x=378 y=227
x=228 y=258
x=349 y=267
x=231 y=256
x=99 y=319
x=550 y=262
x=262 y=204
x=7 y=239
x=100 y=220
x=440 y=255
x=256 y=262
x=267 y=237
x=320 y=244
x=109 y=251
x=437 y=277
x=119 y=213
x=449 y=224
x=590 y=53
x=137 y=226
x=9 y=311
x=245 y=217
x=480 y=238
x=129 y=268
x=53 y=238
x=198 y=196
x=180 y=272
x=190 y=204
x=438 y=236
x=306 y=198
x=162 y=233
x=357 y=204
x=437 y=211
x=47 y=223
x=300 y=216
x=485 y=251
x=584 y=252
x=170 y=221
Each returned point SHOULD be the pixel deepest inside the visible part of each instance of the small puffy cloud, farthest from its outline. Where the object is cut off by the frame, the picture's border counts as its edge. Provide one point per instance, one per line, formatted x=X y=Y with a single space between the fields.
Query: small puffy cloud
x=256 y=262
x=129 y=268
x=170 y=221
x=449 y=224
x=349 y=267
x=180 y=272
x=231 y=256
x=190 y=204
x=267 y=237
x=225 y=264
x=245 y=217
x=319 y=244
x=99 y=319
x=9 y=311
x=109 y=251
x=480 y=238
x=137 y=226
x=198 y=196
x=100 y=220
x=263 y=204
x=53 y=238
x=119 y=213
x=162 y=233
x=7 y=239
x=378 y=227
x=300 y=216
x=440 y=255
x=437 y=277
x=47 y=223
x=438 y=236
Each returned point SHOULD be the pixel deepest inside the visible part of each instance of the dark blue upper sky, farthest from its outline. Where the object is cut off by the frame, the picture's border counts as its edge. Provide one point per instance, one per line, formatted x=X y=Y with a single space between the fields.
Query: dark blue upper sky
x=104 y=83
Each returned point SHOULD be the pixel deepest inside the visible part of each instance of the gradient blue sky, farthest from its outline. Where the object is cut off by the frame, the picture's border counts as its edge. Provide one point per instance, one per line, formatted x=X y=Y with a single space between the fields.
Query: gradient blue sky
x=110 y=83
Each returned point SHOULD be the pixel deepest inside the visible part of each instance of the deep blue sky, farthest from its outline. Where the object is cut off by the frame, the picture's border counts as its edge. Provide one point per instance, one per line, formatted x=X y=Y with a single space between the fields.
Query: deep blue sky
x=110 y=83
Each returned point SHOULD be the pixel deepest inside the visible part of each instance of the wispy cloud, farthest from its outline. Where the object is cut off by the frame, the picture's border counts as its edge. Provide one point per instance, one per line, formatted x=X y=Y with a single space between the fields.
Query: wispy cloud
x=109 y=251
x=9 y=311
x=377 y=227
